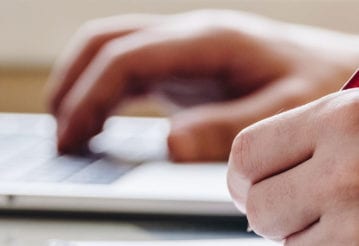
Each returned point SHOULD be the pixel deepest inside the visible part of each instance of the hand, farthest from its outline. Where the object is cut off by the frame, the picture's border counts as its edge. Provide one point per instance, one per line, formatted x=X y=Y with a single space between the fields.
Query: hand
x=244 y=66
x=296 y=174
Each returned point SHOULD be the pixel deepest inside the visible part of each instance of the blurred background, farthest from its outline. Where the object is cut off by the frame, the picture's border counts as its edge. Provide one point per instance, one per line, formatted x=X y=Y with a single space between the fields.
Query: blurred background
x=33 y=32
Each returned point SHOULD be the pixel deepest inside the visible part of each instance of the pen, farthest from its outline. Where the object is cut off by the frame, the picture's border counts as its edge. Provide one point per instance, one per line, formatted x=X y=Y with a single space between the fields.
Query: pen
x=353 y=82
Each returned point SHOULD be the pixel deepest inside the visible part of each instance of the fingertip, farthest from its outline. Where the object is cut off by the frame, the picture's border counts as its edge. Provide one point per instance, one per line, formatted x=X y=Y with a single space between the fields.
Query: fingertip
x=69 y=133
x=71 y=149
x=75 y=129
x=64 y=143
x=68 y=142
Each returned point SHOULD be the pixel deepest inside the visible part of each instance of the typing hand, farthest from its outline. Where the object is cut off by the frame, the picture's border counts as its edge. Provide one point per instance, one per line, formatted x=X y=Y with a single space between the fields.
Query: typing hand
x=246 y=68
x=296 y=174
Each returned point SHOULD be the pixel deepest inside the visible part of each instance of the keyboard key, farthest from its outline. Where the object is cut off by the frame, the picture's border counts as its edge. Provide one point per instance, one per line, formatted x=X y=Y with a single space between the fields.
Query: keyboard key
x=13 y=145
x=103 y=171
x=57 y=169
x=22 y=162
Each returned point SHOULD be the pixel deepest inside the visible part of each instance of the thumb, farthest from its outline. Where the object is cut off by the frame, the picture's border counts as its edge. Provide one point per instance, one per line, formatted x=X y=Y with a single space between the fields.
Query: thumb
x=206 y=132
x=202 y=133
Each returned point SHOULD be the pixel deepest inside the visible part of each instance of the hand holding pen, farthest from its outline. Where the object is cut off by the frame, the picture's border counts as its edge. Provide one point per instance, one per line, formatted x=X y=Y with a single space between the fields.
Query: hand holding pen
x=296 y=174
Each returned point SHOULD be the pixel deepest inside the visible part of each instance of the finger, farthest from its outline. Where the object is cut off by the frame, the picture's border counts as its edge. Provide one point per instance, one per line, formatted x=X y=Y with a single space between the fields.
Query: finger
x=336 y=227
x=276 y=143
x=282 y=140
x=127 y=65
x=287 y=203
x=207 y=132
x=84 y=47
x=316 y=234
x=204 y=133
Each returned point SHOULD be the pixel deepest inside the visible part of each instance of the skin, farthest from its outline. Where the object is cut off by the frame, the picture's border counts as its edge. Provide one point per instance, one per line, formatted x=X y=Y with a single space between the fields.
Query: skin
x=304 y=189
x=244 y=68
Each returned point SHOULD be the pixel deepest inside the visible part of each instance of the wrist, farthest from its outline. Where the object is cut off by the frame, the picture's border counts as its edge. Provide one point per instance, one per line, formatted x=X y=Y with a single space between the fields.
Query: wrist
x=340 y=47
x=329 y=57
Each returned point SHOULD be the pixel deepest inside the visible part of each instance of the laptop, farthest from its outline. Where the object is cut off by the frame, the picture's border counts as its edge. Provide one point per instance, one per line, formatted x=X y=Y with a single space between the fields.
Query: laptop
x=127 y=171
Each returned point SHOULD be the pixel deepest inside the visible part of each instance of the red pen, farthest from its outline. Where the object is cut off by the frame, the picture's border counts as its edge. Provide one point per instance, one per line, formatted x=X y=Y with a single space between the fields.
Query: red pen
x=353 y=82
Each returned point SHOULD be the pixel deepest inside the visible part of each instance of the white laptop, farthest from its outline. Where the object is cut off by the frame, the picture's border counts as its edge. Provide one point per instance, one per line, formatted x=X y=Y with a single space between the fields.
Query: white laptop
x=213 y=242
x=128 y=172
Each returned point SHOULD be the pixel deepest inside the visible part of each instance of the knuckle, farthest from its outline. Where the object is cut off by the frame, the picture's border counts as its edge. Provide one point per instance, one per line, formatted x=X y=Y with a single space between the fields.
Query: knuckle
x=212 y=22
x=91 y=35
x=108 y=49
x=89 y=26
x=111 y=55
x=206 y=14
x=341 y=113
x=116 y=51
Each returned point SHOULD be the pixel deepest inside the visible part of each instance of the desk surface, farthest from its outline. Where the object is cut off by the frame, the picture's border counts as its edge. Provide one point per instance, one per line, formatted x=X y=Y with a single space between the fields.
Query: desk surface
x=29 y=230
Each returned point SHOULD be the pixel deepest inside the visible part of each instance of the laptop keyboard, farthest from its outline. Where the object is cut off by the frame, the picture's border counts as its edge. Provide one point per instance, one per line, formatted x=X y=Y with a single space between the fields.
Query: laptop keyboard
x=28 y=152
x=100 y=172
x=58 y=169
x=36 y=161
x=78 y=170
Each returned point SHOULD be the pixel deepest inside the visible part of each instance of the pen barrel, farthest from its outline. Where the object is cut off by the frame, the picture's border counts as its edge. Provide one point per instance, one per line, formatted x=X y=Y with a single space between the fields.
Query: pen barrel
x=353 y=82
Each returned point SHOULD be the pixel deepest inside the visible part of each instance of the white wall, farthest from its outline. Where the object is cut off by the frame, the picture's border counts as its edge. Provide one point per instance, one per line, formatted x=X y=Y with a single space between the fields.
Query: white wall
x=32 y=32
